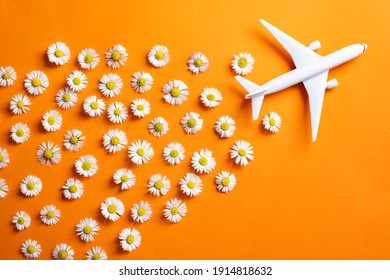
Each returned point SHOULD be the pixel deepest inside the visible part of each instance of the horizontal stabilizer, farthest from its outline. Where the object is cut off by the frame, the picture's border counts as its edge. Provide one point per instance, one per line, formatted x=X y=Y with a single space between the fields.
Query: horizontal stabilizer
x=248 y=85
x=257 y=101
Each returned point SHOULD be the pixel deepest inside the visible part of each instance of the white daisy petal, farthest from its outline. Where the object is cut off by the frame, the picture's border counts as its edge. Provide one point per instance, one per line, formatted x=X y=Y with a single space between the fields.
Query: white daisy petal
x=175 y=92
x=140 y=108
x=19 y=104
x=225 y=181
x=7 y=76
x=73 y=189
x=141 y=82
x=141 y=212
x=225 y=126
x=48 y=153
x=20 y=133
x=31 y=185
x=174 y=153
x=158 y=127
x=52 y=120
x=62 y=251
x=50 y=215
x=116 y=56
x=110 y=85
x=191 y=123
x=210 y=97
x=203 y=161
x=94 y=106
x=114 y=140
x=241 y=152
x=175 y=210
x=117 y=112
x=86 y=165
x=158 y=56
x=66 y=98
x=130 y=239
x=112 y=208
x=77 y=81
x=3 y=188
x=272 y=122
x=96 y=253
x=87 y=228
x=158 y=185
x=4 y=158
x=242 y=64
x=198 y=63
x=58 y=53
x=191 y=184
x=31 y=249
x=88 y=59
x=74 y=140
x=140 y=152
x=125 y=177
x=22 y=220
x=36 y=82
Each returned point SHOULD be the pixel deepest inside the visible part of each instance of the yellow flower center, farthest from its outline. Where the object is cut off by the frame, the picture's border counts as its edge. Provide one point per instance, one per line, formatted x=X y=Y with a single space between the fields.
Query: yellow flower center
x=48 y=154
x=50 y=214
x=5 y=76
x=191 y=185
x=30 y=186
x=210 y=97
x=159 y=55
x=51 y=120
x=198 y=62
x=141 y=211
x=158 y=127
x=242 y=152
x=141 y=82
x=74 y=140
x=115 y=141
x=21 y=221
x=86 y=166
x=95 y=257
x=87 y=229
x=272 y=122
x=191 y=123
x=124 y=178
x=175 y=92
x=77 y=81
x=30 y=249
x=36 y=82
x=116 y=56
x=117 y=112
x=58 y=53
x=111 y=209
x=203 y=161
x=110 y=85
x=140 y=107
x=242 y=62
x=19 y=132
x=94 y=105
x=175 y=210
x=1 y=157
x=225 y=182
x=224 y=126
x=20 y=104
x=140 y=152
x=88 y=58
x=130 y=239
x=73 y=189
x=174 y=153
x=66 y=97
x=62 y=254
x=158 y=184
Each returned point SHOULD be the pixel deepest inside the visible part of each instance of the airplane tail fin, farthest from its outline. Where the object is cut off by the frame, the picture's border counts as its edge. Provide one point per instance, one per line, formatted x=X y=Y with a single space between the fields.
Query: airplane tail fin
x=257 y=101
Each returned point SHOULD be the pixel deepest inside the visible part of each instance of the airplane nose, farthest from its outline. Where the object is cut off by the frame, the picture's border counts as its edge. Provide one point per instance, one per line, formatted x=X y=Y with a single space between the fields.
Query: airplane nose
x=365 y=46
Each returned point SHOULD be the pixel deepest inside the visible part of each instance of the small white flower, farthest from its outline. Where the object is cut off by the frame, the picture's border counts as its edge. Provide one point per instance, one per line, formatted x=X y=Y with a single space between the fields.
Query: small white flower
x=158 y=127
x=112 y=208
x=4 y=158
x=174 y=153
x=73 y=189
x=36 y=82
x=203 y=161
x=130 y=239
x=140 y=108
x=88 y=58
x=191 y=184
x=116 y=56
x=242 y=152
x=242 y=64
x=74 y=140
x=175 y=210
x=22 y=220
x=52 y=120
x=175 y=92
x=31 y=249
x=31 y=185
x=86 y=165
x=272 y=122
x=225 y=126
x=225 y=181
x=7 y=76
x=210 y=97
x=158 y=56
x=94 y=106
x=158 y=184
x=50 y=215
x=141 y=82
x=87 y=228
x=191 y=123
x=77 y=81
x=198 y=63
x=20 y=132
x=58 y=53
x=66 y=98
x=125 y=177
x=96 y=253
x=114 y=140
x=3 y=188
x=117 y=112
x=140 y=152
x=19 y=104
x=110 y=85
x=62 y=251
x=48 y=153
x=141 y=212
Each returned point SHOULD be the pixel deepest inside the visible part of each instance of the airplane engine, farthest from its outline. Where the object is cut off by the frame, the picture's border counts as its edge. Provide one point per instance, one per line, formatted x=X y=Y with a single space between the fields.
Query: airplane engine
x=315 y=45
x=332 y=84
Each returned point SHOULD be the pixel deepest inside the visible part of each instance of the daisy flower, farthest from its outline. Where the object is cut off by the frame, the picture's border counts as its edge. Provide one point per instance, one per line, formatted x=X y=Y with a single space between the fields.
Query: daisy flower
x=140 y=152
x=203 y=161
x=73 y=189
x=4 y=158
x=87 y=228
x=31 y=185
x=272 y=122
x=19 y=104
x=191 y=123
x=62 y=251
x=66 y=98
x=242 y=152
x=242 y=64
x=225 y=181
x=125 y=177
x=140 y=108
x=158 y=127
x=88 y=58
x=130 y=239
x=52 y=120
x=114 y=140
x=7 y=76
x=198 y=63
x=58 y=53
x=116 y=56
x=3 y=188
x=96 y=253
x=191 y=184
x=117 y=112
x=141 y=82
x=112 y=208
x=50 y=215
x=225 y=126
x=22 y=220
x=174 y=153
x=48 y=153
x=141 y=212
x=158 y=184
x=210 y=97
x=158 y=56
x=94 y=106
x=74 y=140
x=36 y=82
x=77 y=81
x=110 y=85
x=86 y=165
x=175 y=92
x=175 y=210
x=31 y=249
x=20 y=132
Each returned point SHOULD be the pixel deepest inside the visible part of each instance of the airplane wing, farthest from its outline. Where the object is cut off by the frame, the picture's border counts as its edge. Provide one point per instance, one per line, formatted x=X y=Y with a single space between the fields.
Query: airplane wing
x=300 y=54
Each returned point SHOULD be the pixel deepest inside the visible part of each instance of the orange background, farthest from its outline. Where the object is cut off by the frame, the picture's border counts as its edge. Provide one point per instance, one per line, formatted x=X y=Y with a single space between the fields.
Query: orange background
x=295 y=200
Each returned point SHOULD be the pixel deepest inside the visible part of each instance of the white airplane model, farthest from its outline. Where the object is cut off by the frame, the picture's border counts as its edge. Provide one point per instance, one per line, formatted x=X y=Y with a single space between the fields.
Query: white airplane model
x=311 y=69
